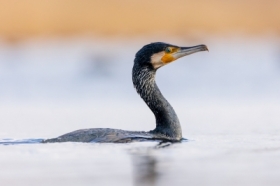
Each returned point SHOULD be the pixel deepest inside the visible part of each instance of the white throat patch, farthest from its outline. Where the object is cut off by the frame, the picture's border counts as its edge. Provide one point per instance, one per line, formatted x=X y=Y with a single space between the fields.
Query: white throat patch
x=156 y=60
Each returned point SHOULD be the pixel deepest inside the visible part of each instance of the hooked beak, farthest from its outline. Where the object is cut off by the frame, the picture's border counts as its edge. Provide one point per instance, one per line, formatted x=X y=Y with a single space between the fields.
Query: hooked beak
x=183 y=51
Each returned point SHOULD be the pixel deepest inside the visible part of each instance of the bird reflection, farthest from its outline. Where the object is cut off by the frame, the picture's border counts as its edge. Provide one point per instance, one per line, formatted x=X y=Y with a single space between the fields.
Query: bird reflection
x=145 y=173
x=145 y=162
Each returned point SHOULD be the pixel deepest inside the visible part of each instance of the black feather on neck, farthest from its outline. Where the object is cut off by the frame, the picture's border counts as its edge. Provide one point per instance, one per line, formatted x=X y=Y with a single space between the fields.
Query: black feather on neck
x=167 y=122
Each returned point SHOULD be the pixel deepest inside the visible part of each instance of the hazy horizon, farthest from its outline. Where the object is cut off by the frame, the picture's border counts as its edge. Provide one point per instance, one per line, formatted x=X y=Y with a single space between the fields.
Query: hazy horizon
x=31 y=18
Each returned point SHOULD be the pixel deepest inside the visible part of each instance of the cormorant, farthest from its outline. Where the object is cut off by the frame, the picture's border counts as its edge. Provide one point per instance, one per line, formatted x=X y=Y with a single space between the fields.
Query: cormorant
x=147 y=61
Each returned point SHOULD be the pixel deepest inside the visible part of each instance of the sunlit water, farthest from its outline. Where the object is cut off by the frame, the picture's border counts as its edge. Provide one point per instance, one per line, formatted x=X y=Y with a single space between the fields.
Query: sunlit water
x=228 y=102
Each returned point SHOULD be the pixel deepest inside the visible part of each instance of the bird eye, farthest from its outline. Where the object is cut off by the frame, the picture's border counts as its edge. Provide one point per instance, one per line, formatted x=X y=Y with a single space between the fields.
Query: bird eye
x=168 y=50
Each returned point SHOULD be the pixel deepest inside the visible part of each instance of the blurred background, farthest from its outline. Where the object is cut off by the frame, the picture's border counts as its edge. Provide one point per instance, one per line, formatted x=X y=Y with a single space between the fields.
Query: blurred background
x=66 y=65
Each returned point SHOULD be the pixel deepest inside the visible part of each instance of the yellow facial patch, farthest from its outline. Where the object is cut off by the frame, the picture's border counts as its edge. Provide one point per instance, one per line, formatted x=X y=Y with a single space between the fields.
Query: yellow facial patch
x=168 y=54
x=167 y=58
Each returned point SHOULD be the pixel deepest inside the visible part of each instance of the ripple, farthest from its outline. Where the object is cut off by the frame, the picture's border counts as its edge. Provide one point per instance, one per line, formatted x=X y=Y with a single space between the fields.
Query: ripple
x=8 y=141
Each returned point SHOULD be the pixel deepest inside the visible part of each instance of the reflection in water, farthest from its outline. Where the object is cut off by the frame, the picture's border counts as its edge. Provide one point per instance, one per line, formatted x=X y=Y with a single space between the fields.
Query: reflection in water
x=145 y=170
x=144 y=167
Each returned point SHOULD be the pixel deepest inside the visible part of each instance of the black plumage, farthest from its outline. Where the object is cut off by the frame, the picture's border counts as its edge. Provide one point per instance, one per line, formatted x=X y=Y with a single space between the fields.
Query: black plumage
x=168 y=127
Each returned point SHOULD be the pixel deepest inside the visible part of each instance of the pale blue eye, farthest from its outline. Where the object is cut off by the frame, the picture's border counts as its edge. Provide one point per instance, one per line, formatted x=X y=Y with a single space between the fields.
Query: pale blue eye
x=167 y=50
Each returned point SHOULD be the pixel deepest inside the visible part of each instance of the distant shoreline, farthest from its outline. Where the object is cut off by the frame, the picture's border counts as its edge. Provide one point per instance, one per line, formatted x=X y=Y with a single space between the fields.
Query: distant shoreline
x=21 y=19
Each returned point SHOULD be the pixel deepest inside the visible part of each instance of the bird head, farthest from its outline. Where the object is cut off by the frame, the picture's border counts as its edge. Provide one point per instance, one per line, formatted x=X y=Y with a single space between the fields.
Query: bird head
x=159 y=54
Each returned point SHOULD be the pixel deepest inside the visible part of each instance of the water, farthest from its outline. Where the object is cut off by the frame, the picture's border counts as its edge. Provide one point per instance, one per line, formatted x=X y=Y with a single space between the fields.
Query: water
x=21 y=141
x=227 y=101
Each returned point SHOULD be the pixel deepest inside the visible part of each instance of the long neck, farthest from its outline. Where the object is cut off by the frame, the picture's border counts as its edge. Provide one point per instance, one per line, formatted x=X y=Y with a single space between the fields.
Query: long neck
x=167 y=122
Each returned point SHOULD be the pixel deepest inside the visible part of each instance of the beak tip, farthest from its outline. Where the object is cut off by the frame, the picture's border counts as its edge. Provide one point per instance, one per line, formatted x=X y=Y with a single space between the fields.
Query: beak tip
x=206 y=48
